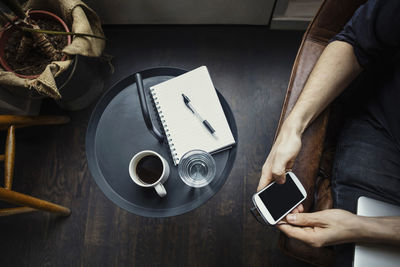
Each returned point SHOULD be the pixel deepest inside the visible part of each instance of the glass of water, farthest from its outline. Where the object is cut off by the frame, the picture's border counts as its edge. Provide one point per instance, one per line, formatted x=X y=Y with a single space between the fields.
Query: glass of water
x=197 y=168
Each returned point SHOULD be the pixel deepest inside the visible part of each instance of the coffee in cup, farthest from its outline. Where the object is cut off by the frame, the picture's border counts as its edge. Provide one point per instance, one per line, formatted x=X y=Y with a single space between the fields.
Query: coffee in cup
x=149 y=169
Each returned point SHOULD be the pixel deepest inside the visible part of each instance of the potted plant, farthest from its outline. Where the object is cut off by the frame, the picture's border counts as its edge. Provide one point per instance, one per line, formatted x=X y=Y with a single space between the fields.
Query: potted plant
x=33 y=48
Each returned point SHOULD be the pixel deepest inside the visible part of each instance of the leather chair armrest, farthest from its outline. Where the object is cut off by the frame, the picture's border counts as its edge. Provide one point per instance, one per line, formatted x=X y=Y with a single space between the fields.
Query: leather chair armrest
x=323 y=257
x=307 y=162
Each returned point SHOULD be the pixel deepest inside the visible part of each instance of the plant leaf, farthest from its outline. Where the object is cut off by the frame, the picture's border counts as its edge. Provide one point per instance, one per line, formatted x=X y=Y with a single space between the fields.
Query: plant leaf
x=15 y=7
x=5 y=18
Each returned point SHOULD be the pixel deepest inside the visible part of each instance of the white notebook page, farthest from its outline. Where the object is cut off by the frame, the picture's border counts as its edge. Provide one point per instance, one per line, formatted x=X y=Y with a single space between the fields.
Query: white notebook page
x=186 y=131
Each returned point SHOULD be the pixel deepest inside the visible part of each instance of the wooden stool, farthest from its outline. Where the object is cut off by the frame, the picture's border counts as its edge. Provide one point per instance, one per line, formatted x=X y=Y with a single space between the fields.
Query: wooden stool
x=28 y=203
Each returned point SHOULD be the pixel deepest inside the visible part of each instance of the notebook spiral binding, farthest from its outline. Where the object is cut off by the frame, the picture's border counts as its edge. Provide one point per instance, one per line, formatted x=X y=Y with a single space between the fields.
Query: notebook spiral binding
x=165 y=126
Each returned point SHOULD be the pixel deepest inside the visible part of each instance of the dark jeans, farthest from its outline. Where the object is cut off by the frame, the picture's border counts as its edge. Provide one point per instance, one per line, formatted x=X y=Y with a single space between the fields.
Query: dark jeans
x=367 y=163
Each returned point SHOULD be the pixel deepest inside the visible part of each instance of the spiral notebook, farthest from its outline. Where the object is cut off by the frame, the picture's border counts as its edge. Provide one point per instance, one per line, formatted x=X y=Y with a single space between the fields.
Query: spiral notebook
x=183 y=129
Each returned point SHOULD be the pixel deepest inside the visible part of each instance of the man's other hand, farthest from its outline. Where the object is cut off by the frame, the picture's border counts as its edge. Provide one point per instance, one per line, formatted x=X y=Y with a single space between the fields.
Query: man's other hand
x=322 y=228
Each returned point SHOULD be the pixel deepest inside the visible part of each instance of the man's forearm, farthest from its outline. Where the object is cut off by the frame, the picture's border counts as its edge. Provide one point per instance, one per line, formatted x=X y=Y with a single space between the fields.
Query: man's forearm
x=333 y=72
x=379 y=230
x=335 y=69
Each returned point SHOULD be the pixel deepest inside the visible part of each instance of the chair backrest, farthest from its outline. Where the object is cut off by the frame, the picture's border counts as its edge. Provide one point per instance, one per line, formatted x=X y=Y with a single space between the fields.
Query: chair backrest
x=330 y=19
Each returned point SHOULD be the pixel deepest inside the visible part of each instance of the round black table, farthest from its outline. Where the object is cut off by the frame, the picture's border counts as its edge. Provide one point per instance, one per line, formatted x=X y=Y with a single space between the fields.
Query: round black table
x=117 y=131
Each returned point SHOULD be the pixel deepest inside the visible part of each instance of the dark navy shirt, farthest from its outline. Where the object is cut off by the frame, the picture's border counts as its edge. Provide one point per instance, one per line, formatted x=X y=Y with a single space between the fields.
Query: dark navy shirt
x=374 y=33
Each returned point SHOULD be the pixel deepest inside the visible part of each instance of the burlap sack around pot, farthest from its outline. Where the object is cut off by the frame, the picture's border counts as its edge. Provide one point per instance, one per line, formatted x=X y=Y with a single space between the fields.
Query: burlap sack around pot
x=80 y=19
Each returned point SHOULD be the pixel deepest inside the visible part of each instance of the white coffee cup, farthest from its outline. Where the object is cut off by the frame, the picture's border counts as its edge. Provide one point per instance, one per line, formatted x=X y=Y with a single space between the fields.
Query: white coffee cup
x=158 y=185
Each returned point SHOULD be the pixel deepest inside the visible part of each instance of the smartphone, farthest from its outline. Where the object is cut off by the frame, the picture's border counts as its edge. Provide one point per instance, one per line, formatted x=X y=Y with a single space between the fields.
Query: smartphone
x=275 y=201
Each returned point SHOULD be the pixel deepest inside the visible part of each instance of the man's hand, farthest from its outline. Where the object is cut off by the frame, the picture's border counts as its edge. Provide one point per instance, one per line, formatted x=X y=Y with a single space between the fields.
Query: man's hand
x=323 y=228
x=281 y=158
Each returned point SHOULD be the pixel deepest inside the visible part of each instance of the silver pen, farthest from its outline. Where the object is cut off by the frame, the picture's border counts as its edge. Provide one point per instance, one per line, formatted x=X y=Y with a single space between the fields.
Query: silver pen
x=205 y=122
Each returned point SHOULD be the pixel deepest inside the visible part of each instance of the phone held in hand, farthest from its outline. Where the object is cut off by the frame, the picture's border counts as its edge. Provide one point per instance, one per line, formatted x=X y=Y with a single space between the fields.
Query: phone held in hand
x=275 y=201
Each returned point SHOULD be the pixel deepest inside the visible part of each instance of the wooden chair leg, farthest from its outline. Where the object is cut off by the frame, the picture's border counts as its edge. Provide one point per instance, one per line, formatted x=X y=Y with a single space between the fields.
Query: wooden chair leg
x=25 y=121
x=13 y=211
x=9 y=157
x=36 y=203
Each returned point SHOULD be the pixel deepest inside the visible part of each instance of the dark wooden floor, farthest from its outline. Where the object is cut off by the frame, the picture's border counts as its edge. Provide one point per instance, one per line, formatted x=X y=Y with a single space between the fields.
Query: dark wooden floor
x=251 y=67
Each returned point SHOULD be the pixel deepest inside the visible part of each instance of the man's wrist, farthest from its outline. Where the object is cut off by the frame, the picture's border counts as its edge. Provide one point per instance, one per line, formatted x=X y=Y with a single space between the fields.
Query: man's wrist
x=371 y=229
x=294 y=125
x=362 y=230
x=379 y=230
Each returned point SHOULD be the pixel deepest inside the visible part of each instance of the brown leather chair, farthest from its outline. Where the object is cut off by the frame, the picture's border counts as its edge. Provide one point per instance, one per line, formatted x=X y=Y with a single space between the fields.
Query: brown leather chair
x=25 y=202
x=314 y=162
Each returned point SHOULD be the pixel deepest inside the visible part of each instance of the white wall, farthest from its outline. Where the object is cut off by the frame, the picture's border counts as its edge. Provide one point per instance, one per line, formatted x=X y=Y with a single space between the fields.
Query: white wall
x=254 y=12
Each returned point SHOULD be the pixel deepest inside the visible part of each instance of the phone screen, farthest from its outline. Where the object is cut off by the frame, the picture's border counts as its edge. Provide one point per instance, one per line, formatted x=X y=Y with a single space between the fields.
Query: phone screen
x=279 y=198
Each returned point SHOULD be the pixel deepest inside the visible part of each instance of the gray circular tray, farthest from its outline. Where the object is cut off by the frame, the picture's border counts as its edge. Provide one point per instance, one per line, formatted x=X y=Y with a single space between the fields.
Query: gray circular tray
x=117 y=131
